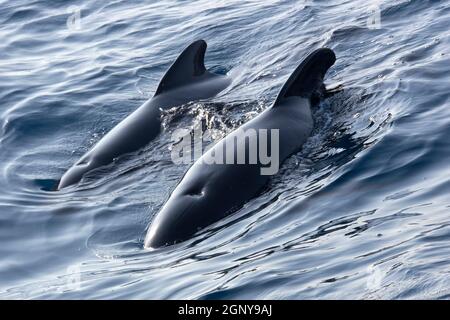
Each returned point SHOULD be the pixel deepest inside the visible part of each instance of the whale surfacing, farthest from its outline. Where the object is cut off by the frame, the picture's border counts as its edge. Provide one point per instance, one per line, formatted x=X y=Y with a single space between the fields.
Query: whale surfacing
x=186 y=80
x=210 y=191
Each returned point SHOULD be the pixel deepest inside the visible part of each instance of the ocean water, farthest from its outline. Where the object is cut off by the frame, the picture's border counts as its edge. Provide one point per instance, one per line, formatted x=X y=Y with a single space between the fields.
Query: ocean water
x=361 y=212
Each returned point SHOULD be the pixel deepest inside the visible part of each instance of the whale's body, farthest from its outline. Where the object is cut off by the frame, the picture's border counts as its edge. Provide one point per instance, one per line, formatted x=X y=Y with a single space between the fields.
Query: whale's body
x=209 y=192
x=186 y=80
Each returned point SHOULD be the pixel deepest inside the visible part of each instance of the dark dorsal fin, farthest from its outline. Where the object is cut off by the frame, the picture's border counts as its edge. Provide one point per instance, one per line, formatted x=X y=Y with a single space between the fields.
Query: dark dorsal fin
x=189 y=64
x=307 y=79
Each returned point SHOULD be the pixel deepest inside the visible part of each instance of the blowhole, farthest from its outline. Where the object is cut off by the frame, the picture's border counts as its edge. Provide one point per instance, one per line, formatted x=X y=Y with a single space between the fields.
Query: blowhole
x=196 y=192
x=83 y=162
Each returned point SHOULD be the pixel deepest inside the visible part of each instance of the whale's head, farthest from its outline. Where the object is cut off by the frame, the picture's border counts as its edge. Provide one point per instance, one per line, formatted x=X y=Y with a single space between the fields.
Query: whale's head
x=184 y=213
x=205 y=195
x=76 y=172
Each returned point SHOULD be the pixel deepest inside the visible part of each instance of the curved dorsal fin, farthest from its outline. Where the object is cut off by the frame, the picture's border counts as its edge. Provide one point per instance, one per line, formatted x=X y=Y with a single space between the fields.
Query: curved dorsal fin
x=189 y=64
x=307 y=79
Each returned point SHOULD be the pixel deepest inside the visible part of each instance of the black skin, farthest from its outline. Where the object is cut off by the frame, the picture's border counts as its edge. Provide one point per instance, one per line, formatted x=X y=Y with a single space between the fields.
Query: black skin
x=186 y=80
x=209 y=192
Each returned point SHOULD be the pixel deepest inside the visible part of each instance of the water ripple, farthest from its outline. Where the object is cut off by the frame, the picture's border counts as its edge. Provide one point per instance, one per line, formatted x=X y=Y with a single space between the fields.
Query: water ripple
x=360 y=212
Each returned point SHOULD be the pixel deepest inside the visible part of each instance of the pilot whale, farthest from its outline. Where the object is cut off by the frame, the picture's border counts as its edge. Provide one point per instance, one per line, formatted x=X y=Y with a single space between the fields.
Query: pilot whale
x=209 y=191
x=186 y=80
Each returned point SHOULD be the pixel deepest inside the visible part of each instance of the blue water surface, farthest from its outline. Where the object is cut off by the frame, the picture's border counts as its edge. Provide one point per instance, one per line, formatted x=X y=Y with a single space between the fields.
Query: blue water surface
x=362 y=211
